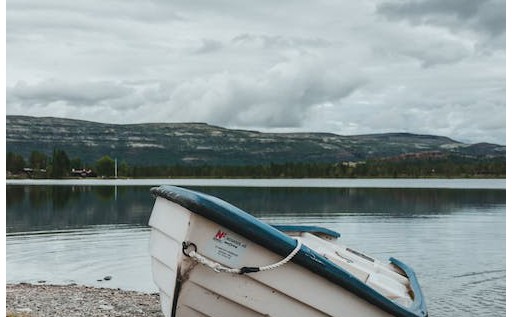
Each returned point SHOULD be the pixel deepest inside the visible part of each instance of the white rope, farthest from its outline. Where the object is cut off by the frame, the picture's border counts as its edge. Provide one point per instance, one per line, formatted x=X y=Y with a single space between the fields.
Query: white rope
x=219 y=268
x=285 y=260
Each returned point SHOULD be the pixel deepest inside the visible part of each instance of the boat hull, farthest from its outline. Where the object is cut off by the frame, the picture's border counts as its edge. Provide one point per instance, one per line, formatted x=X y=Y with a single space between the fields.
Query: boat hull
x=190 y=289
x=322 y=279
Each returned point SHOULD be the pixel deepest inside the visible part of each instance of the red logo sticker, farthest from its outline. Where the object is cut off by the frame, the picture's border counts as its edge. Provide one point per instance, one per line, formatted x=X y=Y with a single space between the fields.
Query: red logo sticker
x=220 y=235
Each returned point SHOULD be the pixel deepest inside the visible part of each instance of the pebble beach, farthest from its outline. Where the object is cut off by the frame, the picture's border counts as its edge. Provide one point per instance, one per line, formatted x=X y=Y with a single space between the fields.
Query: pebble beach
x=29 y=300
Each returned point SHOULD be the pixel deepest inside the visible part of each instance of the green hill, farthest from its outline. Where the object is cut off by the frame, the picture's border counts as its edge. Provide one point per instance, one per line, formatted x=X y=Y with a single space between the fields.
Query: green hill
x=154 y=144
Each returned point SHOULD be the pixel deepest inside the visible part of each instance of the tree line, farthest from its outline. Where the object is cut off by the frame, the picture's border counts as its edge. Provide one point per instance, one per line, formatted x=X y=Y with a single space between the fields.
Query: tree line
x=59 y=165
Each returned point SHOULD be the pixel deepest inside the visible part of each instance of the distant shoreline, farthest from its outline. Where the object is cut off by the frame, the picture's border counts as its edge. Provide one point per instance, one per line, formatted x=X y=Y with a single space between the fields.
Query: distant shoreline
x=438 y=183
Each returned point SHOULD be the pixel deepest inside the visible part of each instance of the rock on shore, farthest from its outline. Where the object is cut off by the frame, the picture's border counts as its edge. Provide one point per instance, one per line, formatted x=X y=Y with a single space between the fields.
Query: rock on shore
x=28 y=300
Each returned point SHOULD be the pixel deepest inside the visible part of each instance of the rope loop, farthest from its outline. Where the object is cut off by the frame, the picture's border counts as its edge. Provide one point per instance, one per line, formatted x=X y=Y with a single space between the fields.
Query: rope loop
x=190 y=250
x=188 y=247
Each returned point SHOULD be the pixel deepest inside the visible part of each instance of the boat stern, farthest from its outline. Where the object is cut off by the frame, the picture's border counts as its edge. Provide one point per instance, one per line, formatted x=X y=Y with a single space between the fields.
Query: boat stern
x=169 y=224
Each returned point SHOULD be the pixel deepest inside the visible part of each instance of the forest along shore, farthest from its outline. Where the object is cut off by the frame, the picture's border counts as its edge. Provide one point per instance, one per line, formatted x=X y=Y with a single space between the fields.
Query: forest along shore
x=28 y=300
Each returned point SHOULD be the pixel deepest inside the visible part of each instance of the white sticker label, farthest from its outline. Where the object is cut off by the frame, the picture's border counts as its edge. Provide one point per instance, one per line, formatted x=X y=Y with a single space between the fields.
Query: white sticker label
x=226 y=247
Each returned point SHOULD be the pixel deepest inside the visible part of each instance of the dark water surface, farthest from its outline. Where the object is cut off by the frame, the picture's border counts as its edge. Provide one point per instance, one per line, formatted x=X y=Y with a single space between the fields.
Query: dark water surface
x=453 y=238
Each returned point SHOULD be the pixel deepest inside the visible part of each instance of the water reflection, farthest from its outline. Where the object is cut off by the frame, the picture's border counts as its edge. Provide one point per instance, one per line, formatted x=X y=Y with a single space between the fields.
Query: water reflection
x=31 y=208
x=332 y=201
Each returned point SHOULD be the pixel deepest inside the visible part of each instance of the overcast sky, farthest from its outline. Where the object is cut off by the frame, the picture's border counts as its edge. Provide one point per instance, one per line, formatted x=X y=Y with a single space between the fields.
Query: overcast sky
x=347 y=67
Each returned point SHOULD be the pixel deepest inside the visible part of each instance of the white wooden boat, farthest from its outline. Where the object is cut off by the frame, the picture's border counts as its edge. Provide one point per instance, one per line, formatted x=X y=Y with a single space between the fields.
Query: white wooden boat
x=210 y=258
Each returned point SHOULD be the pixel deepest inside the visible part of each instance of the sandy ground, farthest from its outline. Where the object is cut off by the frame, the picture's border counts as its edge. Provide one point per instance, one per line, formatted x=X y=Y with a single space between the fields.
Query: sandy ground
x=27 y=300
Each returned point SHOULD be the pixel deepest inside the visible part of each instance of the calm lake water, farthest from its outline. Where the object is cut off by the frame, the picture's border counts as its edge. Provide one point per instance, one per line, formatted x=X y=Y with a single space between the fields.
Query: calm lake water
x=453 y=237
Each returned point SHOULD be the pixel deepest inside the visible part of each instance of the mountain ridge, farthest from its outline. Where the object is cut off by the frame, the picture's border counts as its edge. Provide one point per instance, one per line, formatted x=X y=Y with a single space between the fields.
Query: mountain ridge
x=161 y=143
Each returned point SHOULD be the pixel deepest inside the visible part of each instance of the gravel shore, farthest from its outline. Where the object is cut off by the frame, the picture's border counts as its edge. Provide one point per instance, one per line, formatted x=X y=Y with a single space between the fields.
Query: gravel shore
x=28 y=300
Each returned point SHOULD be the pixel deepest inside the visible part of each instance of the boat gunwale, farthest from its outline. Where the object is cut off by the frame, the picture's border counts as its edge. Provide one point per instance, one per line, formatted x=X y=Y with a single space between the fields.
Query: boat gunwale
x=237 y=220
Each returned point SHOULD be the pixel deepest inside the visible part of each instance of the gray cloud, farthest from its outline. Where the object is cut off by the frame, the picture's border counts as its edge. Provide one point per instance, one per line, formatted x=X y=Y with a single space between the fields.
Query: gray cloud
x=266 y=41
x=113 y=11
x=437 y=53
x=479 y=15
x=85 y=93
x=209 y=46
x=279 y=97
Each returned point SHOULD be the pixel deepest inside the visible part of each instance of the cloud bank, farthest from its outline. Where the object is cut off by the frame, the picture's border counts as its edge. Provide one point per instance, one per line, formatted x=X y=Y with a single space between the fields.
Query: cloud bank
x=420 y=66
